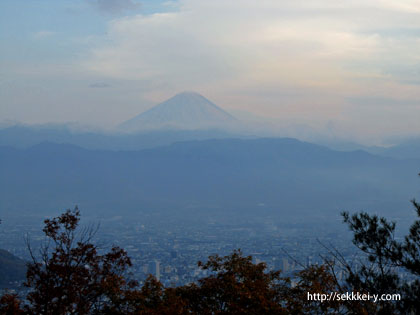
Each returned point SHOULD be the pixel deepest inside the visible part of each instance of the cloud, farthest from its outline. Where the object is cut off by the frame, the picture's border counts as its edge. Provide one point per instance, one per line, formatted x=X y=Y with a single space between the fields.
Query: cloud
x=298 y=60
x=315 y=43
x=295 y=59
x=99 y=85
x=383 y=102
x=114 y=6
x=42 y=34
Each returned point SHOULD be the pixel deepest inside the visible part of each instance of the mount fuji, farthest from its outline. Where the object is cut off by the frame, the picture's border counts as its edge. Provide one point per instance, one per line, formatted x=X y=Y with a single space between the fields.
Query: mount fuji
x=186 y=110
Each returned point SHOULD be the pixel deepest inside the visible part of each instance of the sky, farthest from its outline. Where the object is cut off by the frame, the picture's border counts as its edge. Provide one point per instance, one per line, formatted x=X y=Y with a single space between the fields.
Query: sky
x=349 y=69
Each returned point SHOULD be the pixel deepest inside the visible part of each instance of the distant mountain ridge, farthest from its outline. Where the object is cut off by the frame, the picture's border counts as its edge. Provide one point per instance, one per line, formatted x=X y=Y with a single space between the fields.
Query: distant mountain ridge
x=233 y=175
x=24 y=136
x=27 y=136
x=186 y=110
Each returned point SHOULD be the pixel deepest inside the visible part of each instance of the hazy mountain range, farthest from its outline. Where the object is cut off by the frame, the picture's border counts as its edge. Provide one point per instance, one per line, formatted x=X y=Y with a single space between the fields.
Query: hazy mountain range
x=27 y=136
x=186 y=116
x=283 y=177
x=208 y=170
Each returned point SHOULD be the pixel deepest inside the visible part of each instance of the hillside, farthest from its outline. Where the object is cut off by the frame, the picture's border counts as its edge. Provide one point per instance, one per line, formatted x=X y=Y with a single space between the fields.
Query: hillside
x=281 y=177
x=12 y=269
x=27 y=136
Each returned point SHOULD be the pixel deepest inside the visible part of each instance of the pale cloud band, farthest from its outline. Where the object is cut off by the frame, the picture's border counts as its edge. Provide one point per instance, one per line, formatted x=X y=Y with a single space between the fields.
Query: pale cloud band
x=329 y=50
x=303 y=42
x=300 y=61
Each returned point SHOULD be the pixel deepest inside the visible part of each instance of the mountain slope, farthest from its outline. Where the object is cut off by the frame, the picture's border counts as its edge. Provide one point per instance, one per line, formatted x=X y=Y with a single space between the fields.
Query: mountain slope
x=187 y=110
x=12 y=269
x=27 y=136
x=409 y=149
x=287 y=176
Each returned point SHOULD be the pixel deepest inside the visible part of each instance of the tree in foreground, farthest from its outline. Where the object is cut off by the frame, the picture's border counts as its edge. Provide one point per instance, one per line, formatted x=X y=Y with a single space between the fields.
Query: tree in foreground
x=387 y=258
x=71 y=277
x=10 y=304
x=236 y=286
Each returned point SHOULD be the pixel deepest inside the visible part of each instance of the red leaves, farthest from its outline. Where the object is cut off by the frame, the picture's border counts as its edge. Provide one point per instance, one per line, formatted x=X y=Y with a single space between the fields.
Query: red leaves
x=10 y=305
x=237 y=286
x=73 y=276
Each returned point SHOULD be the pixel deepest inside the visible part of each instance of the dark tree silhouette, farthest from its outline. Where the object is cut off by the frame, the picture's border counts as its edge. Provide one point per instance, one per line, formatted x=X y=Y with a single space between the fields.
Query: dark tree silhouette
x=10 y=305
x=71 y=277
x=236 y=286
x=386 y=258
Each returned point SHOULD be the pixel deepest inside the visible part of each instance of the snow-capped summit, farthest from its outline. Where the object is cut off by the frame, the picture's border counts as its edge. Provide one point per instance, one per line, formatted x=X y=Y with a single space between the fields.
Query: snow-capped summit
x=186 y=110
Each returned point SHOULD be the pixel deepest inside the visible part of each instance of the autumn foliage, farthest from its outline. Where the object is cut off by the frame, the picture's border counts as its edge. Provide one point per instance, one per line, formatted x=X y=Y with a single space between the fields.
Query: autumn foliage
x=70 y=276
